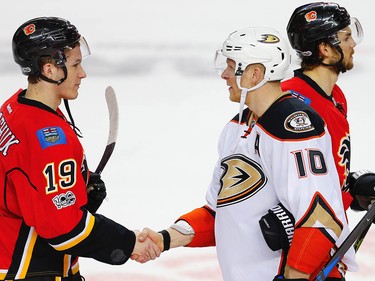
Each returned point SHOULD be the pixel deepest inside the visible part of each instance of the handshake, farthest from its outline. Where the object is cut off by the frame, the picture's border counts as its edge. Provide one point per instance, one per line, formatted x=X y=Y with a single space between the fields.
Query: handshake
x=150 y=244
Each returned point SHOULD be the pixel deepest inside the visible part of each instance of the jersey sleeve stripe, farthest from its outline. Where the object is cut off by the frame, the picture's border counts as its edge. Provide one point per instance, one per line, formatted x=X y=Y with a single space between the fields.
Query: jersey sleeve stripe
x=26 y=257
x=89 y=224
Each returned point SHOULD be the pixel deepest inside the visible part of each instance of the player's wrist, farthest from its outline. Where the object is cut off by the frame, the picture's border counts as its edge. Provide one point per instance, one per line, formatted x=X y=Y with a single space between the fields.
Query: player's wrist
x=166 y=240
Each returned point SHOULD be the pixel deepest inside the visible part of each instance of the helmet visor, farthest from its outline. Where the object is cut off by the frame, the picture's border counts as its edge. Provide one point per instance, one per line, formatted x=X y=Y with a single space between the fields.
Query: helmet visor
x=353 y=32
x=84 y=46
x=220 y=62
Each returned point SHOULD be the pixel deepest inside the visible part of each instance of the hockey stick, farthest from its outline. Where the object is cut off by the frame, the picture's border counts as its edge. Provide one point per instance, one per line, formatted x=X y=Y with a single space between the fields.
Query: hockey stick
x=113 y=111
x=362 y=227
x=360 y=239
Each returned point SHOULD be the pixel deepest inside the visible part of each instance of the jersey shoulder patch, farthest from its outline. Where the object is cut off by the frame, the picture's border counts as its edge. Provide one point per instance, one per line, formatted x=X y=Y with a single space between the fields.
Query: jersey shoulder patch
x=291 y=118
x=298 y=122
x=51 y=136
x=300 y=96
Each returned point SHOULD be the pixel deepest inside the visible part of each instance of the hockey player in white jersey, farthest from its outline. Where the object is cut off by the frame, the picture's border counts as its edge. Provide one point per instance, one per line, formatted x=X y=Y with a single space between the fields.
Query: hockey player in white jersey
x=274 y=208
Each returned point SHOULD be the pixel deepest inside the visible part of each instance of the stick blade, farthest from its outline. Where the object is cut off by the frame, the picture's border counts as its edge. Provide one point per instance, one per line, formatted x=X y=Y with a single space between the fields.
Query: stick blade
x=113 y=111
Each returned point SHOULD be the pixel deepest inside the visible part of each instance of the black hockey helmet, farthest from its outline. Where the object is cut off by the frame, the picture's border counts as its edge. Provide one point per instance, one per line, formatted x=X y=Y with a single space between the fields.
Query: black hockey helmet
x=43 y=37
x=316 y=22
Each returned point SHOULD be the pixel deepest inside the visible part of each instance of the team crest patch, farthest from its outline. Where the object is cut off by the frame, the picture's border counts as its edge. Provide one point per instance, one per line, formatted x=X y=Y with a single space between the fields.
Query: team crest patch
x=298 y=122
x=51 y=136
x=242 y=178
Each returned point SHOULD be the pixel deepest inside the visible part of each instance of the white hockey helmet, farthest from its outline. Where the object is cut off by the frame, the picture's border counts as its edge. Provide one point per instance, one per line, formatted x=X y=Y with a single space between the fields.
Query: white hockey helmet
x=256 y=45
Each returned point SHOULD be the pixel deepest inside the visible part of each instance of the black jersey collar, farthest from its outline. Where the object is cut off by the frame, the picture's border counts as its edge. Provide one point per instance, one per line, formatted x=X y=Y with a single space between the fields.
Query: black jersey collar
x=23 y=100
x=299 y=73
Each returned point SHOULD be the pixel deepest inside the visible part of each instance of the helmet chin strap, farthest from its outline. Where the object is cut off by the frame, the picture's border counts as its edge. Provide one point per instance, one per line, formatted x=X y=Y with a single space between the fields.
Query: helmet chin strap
x=339 y=65
x=58 y=82
x=244 y=92
x=66 y=103
x=76 y=130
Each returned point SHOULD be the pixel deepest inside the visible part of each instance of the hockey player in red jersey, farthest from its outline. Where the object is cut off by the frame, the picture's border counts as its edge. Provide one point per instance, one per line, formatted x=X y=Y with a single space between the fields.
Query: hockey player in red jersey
x=47 y=219
x=324 y=36
x=275 y=158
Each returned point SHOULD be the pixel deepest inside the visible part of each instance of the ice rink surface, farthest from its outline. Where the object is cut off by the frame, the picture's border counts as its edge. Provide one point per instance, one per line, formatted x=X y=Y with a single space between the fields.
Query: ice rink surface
x=158 y=56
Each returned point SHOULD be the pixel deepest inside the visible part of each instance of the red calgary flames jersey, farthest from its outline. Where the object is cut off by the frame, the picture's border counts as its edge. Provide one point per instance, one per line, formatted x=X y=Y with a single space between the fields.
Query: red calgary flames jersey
x=40 y=166
x=43 y=174
x=333 y=109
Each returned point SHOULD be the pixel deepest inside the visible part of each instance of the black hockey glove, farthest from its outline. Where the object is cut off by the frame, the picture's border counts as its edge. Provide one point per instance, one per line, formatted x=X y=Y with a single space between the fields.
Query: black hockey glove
x=277 y=227
x=96 y=192
x=281 y=278
x=362 y=187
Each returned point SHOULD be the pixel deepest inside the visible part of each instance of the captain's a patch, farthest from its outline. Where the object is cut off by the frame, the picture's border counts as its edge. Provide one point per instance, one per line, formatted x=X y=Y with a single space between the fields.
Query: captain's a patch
x=298 y=122
x=51 y=136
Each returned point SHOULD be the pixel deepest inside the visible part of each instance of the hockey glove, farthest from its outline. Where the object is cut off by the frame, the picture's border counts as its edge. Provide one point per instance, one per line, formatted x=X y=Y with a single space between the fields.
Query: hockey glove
x=362 y=187
x=277 y=227
x=96 y=192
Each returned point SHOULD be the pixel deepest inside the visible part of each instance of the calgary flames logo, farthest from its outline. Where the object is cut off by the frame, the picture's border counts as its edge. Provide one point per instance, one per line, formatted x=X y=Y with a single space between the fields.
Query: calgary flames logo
x=344 y=155
x=311 y=16
x=30 y=29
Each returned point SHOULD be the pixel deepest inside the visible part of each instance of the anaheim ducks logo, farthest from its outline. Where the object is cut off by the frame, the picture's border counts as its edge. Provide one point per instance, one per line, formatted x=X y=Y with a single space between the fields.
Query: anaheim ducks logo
x=298 y=122
x=241 y=179
x=311 y=16
x=269 y=38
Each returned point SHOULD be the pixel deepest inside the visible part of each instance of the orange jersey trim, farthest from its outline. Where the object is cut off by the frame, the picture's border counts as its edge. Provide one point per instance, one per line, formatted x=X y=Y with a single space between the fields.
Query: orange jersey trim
x=202 y=220
x=305 y=256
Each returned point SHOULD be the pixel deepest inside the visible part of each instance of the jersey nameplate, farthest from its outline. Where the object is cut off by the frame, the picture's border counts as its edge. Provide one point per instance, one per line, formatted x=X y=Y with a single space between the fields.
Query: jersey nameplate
x=7 y=138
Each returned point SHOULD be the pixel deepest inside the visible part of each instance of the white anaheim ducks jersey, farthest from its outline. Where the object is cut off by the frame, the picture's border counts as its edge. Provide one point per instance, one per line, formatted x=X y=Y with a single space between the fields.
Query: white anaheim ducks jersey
x=284 y=156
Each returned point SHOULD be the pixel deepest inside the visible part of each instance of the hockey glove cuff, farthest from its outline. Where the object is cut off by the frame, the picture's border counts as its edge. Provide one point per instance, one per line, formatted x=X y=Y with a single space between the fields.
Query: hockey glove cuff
x=277 y=227
x=362 y=187
x=96 y=192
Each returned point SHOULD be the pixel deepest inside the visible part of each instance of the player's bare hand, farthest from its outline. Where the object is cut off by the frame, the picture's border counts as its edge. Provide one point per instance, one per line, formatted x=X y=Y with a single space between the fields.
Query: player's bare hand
x=154 y=236
x=145 y=249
